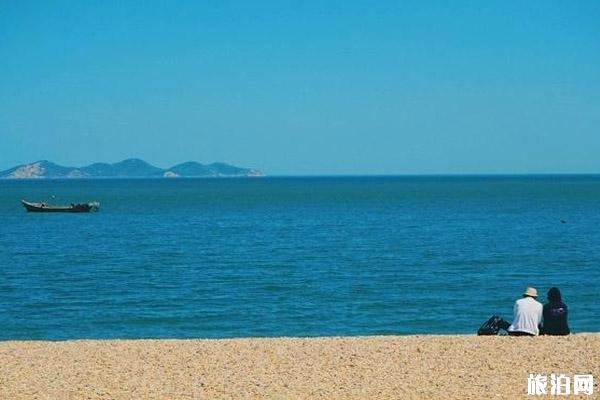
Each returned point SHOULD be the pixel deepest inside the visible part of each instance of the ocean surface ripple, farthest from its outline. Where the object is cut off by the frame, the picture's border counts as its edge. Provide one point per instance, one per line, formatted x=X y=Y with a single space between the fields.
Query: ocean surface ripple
x=293 y=256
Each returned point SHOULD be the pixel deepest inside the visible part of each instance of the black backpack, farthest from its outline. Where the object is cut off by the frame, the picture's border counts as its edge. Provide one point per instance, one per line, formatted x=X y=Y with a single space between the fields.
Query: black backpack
x=492 y=326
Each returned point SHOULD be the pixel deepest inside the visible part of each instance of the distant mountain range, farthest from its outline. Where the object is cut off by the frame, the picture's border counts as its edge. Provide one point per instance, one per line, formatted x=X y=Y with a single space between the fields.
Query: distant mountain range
x=131 y=168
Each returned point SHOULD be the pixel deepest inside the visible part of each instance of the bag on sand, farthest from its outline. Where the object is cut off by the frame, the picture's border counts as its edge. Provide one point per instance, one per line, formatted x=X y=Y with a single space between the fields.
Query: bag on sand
x=492 y=326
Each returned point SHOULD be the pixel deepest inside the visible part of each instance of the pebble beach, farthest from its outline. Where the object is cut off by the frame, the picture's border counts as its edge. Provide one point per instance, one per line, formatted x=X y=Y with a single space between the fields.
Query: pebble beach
x=381 y=367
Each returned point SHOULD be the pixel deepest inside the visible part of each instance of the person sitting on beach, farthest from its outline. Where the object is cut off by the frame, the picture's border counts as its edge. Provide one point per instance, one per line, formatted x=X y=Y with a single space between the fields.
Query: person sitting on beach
x=555 y=315
x=527 y=315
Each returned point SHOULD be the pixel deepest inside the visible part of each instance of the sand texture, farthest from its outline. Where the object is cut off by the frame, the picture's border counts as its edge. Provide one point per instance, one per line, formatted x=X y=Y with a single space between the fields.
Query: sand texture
x=389 y=367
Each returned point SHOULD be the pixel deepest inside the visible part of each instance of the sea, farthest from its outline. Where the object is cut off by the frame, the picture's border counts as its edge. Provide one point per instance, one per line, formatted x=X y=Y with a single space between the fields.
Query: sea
x=294 y=256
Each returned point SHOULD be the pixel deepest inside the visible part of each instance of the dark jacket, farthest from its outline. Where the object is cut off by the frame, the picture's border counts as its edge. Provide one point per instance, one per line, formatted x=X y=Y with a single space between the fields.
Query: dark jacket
x=555 y=319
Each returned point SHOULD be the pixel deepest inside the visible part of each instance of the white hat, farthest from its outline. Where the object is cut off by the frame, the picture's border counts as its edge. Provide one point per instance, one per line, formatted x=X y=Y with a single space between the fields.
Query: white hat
x=530 y=291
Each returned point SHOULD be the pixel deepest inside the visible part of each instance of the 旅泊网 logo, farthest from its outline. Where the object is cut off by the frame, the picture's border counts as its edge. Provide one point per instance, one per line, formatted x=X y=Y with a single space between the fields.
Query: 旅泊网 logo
x=560 y=385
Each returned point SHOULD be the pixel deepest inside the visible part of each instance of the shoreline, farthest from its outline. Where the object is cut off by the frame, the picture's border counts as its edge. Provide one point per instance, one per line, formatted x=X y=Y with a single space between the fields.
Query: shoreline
x=269 y=338
x=412 y=366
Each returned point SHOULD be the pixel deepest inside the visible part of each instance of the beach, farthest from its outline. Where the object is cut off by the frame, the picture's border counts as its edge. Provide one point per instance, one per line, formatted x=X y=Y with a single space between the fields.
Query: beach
x=382 y=367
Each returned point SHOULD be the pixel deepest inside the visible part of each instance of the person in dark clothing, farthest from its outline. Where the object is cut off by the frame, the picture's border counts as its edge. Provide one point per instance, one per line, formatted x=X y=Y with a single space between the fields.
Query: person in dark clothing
x=555 y=315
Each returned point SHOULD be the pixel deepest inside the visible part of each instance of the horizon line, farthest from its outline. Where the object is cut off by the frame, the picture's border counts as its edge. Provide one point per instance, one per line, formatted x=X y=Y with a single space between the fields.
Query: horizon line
x=425 y=175
x=318 y=174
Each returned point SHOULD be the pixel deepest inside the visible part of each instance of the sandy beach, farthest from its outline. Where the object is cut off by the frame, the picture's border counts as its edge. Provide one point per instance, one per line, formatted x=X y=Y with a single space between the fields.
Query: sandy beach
x=419 y=367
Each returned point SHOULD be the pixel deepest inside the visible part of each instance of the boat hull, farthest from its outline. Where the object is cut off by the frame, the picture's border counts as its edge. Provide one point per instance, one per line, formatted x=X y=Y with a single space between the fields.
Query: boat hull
x=74 y=208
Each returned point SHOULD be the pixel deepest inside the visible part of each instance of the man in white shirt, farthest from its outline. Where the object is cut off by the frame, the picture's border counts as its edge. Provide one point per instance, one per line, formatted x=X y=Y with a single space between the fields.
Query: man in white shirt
x=527 y=315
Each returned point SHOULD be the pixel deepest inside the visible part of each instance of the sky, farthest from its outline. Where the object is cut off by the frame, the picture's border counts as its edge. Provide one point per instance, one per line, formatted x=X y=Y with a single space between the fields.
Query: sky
x=304 y=87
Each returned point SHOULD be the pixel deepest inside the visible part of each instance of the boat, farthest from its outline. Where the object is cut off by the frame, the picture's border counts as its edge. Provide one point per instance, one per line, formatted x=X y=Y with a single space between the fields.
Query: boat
x=73 y=208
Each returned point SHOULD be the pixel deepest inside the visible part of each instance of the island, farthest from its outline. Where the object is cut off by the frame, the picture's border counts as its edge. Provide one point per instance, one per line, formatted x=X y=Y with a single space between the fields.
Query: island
x=130 y=168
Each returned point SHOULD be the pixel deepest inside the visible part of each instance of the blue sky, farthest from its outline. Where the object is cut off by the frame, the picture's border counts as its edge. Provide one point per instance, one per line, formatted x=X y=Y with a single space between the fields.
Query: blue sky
x=323 y=87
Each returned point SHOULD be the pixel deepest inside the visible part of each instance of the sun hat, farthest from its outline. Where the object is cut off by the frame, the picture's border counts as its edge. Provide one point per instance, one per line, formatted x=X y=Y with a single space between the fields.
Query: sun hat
x=530 y=291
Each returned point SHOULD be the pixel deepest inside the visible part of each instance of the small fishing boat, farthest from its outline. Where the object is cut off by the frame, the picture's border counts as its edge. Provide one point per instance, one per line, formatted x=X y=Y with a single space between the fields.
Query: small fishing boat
x=73 y=208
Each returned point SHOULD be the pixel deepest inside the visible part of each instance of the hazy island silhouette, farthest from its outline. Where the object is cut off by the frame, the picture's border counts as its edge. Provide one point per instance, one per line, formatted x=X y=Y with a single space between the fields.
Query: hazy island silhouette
x=130 y=168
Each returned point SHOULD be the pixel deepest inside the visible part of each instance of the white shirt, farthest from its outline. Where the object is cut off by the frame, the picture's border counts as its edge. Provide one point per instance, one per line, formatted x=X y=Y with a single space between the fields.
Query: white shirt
x=527 y=316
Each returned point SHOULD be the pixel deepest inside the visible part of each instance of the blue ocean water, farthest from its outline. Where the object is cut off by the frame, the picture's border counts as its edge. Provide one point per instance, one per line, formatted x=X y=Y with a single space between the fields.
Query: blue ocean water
x=293 y=256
